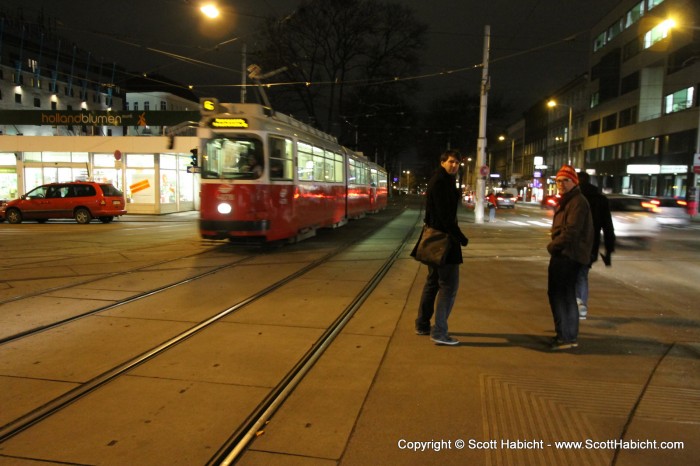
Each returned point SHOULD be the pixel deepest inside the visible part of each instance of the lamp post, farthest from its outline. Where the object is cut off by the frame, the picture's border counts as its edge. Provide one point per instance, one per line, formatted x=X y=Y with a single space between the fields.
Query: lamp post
x=554 y=103
x=469 y=166
x=512 y=154
x=408 y=181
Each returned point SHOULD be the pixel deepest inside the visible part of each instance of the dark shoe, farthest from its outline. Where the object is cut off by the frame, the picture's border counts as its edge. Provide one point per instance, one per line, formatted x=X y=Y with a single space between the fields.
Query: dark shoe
x=421 y=331
x=445 y=341
x=563 y=345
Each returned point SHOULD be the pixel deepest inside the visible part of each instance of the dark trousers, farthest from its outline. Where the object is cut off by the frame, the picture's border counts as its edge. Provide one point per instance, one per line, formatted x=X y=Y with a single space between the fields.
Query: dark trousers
x=561 y=289
x=439 y=294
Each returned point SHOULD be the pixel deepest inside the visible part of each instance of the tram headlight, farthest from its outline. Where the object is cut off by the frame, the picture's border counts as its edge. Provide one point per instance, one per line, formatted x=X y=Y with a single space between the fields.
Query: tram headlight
x=224 y=208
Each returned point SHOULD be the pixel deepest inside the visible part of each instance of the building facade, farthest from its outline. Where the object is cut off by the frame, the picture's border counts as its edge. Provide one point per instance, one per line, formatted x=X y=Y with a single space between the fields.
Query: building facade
x=642 y=124
x=65 y=116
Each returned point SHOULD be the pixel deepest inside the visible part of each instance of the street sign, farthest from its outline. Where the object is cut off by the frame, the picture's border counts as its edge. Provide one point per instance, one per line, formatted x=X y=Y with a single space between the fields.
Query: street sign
x=696 y=163
x=484 y=170
x=192 y=169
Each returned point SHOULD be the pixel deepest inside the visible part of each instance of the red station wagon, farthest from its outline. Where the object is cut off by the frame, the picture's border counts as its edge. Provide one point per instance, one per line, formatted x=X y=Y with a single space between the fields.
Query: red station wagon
x=81 y=200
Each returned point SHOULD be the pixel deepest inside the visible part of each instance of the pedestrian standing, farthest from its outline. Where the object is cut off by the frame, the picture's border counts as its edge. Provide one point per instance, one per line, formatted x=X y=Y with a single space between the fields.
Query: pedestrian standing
x=440 y=289
x=602 y=219
x=569 y=249
x=492 y=203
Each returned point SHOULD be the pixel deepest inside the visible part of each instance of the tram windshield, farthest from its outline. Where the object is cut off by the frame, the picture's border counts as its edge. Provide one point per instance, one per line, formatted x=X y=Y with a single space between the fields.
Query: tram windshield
x=233 y=158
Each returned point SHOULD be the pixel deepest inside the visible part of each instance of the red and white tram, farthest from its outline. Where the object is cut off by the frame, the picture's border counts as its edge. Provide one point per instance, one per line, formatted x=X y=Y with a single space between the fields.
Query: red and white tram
x=266 y=176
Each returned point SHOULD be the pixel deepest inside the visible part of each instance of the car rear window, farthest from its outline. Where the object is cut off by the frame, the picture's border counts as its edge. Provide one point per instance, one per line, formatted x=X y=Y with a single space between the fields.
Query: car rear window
x=82 y=190
x=110 y=190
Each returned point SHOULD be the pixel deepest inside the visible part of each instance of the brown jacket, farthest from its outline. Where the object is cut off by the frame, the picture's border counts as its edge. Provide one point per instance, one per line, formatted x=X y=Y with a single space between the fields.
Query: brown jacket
x=572 y=228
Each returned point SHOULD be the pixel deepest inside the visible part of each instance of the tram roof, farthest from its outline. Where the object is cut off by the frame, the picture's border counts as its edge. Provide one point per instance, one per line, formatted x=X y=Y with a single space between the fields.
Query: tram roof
x=264 y=114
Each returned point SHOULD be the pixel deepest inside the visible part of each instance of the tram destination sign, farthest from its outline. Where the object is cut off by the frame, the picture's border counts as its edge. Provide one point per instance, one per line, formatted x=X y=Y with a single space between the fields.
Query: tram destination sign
x=96 y=118
x=229 y=123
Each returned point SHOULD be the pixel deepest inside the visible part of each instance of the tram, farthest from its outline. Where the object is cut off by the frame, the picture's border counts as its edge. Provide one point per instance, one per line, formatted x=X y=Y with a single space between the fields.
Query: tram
x=268 y=177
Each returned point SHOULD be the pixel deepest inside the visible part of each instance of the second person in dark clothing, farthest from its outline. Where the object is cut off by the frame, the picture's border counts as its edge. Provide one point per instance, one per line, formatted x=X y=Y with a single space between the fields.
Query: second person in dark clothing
x=602 y=219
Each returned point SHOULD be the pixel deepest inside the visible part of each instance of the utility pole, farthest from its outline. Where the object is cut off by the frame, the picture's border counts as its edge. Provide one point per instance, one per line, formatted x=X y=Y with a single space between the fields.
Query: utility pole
x=244 y=72
x=481 y=142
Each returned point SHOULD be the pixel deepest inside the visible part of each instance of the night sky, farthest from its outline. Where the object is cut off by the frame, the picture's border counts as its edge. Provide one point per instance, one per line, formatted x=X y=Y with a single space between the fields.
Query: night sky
x=530 y=54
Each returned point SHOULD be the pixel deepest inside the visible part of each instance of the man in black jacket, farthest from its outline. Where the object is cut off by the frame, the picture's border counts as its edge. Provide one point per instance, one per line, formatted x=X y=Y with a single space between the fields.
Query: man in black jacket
x=442 y=201
x=600 y=211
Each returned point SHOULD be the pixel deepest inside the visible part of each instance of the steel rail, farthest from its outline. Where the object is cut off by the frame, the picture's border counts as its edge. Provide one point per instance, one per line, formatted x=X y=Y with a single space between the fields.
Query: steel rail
x=242 y=437
x=22 y=423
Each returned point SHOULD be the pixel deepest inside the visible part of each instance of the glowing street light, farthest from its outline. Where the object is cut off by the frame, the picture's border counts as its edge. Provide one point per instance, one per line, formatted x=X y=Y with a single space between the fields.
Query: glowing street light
x=210 y=10
x=553 y=103
x=512 y=154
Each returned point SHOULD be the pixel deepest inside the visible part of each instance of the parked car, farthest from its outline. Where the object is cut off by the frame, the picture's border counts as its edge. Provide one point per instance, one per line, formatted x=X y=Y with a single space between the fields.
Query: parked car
x=671 y=211
x=505 y=200
x=634 y=219
x=81 y=200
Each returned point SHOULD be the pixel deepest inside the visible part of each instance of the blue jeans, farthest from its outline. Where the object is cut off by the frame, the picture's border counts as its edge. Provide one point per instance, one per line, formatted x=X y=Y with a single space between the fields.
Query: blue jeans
x=561 y=290
x=582 y=285
x=492 y=214
x=442 y=283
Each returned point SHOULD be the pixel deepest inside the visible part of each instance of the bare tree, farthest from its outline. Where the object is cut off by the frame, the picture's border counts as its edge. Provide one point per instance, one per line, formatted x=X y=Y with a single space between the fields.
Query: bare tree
x=343 y=58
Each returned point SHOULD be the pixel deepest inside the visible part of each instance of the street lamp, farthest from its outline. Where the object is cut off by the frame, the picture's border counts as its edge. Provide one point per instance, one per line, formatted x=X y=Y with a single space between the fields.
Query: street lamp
x=554 y=103
x=408 y=181
x=210 y=10
x=512 y=154
x=469 y=166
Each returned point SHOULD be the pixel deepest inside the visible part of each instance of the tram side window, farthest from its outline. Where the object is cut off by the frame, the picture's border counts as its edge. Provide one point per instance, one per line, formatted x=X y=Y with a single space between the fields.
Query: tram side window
x=338 y=160
x=281 y=156
x=352 y=178
x=305 y=163
x=319 y=164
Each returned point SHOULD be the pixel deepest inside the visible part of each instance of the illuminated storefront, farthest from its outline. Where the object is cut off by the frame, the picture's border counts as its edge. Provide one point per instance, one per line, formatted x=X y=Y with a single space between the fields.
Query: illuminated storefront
x=153 y=178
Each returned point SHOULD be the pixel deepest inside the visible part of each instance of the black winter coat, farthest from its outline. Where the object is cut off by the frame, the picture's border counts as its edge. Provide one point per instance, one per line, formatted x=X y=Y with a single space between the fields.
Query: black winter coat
x=441 y=203
x=602 y=218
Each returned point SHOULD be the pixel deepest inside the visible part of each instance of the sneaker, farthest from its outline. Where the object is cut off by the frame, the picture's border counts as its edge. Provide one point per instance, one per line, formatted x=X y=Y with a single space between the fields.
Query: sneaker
x=563 y=345
x=582 y=309
x=448 y=340
x=422 y=331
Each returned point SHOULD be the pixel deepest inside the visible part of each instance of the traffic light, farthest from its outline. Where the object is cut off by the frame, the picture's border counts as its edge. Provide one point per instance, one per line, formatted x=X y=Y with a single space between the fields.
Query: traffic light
x=193 y=157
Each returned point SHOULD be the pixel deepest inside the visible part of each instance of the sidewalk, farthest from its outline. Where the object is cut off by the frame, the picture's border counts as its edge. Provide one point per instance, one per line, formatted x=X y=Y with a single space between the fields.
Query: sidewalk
x=502 y=397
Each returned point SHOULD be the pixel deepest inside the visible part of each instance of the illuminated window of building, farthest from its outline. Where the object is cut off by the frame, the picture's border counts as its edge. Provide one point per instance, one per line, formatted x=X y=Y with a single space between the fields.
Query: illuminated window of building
x=634 y=14
x=653 y=3
x=656 y=34
x=679 y=100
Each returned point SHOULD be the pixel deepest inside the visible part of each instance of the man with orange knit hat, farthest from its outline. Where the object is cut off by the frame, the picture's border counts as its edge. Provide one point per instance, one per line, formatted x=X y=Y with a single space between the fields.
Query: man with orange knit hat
x=569 y=249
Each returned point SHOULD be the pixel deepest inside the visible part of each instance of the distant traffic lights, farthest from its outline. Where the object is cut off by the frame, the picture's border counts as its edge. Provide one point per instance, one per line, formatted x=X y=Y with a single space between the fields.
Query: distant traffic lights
x=194 y=157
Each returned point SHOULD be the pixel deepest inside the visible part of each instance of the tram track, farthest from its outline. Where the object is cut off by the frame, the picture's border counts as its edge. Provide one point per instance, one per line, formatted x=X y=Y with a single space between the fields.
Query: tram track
x=122 y=302
x=240 y=437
